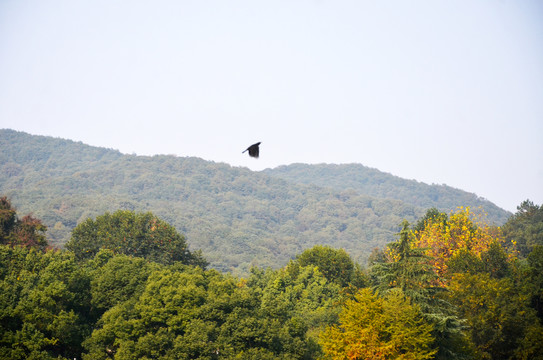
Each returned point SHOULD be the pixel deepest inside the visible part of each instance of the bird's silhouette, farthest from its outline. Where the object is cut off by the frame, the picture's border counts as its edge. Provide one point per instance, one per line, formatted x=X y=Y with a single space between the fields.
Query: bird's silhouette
x=253 y=150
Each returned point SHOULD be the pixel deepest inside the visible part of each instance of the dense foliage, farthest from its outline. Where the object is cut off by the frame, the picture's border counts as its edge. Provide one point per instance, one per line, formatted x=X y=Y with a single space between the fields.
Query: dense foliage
x=115 y=306
x=238 y=218
x=45 y=308
x=111 y=304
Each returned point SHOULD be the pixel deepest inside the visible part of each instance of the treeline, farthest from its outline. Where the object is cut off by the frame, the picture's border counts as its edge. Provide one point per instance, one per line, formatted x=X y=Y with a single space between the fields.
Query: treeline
x=127 y=287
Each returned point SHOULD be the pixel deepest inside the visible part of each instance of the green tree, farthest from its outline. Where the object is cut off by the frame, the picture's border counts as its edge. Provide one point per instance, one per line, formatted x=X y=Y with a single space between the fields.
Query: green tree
x=407 y=268
x=373 y=327
x=335 y=264
x=149 y=326
x=495 y=261
x=432 y=215
x=8 y=218
x=524 y=229
x=302 y=298
x=137 y=234
x=184 y=312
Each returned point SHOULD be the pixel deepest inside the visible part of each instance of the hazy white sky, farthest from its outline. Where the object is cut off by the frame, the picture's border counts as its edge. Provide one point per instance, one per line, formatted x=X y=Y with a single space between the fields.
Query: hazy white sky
x=438 y=91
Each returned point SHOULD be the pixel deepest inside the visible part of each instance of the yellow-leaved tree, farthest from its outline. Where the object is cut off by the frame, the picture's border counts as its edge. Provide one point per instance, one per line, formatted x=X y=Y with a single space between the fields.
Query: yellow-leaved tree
x=462 y=233
x=378 y=328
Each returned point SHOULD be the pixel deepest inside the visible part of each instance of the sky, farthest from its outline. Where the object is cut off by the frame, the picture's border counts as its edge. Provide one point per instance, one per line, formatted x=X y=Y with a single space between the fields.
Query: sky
x=443 y=92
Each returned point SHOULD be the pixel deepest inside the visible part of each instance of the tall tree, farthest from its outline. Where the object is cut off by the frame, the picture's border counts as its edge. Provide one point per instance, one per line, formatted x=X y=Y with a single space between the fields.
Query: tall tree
x=407 y=268
x=534 y=279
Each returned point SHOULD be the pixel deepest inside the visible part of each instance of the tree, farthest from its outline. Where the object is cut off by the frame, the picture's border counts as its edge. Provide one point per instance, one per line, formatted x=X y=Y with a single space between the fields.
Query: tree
x=137 y=234
x=335 y=264
x=190 y=313
x=28 y=231
x=8 y=218
x=444 y=239
x=524 y=229
x=376 y=328
x=432 y=216
x=407 y=268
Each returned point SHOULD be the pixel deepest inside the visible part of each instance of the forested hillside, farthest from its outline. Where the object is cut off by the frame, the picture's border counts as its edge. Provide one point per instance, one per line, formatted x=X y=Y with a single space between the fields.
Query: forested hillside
x=237 y=217
x=379 y=184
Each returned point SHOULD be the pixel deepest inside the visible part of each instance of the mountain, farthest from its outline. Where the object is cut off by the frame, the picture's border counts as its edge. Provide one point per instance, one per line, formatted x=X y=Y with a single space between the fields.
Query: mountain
x=239 y=218
x=373 y=182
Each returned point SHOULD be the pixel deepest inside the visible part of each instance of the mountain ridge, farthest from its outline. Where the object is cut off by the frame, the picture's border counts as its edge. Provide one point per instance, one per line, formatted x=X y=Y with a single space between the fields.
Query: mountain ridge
x=384 y=185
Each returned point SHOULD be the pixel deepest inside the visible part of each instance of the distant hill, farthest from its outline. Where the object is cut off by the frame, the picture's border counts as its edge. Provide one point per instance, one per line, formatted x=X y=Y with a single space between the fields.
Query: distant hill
x=238 y=217
x=373 y=182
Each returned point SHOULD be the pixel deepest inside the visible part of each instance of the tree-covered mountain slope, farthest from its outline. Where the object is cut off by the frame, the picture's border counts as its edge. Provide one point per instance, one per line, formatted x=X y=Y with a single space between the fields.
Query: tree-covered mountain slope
x=373 y=182
x=237 y=217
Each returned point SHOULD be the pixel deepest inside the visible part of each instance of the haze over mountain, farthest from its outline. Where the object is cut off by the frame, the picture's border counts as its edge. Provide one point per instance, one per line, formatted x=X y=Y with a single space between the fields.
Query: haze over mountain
x=237 y=217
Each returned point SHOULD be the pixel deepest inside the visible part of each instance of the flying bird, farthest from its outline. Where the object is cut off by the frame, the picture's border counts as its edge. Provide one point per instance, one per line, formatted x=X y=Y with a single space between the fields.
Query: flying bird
x=253 y=150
